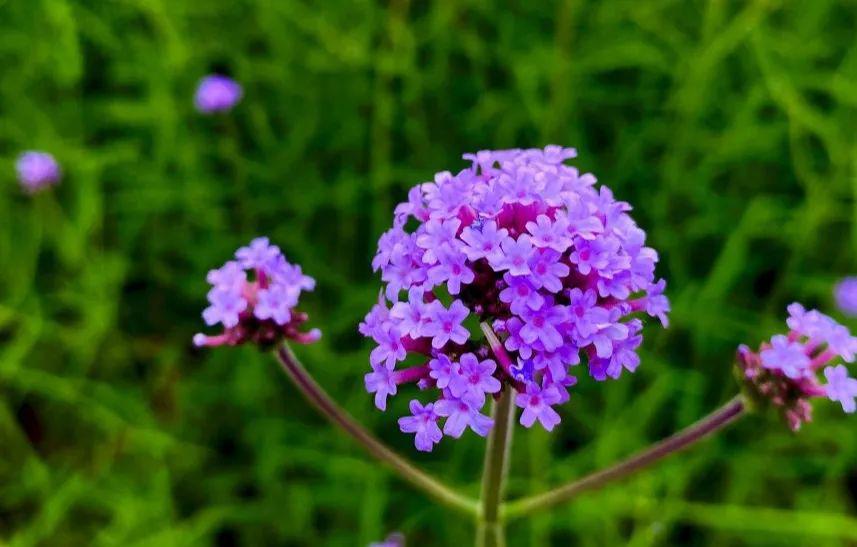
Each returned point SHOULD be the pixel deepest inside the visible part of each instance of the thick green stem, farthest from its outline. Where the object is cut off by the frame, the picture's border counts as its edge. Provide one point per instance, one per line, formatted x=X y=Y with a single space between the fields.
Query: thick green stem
x=338 y=416
x=715 y=421
x=490 y=532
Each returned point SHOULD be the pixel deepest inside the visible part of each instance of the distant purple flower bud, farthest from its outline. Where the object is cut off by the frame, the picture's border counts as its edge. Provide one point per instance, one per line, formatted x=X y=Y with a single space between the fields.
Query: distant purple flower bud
x=846 y=296
x=37 y=170
x=423 y=423
x=217 y=93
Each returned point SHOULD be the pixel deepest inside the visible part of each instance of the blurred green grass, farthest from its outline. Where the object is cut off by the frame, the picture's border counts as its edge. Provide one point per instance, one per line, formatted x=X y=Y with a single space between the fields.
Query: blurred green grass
x=729 y=125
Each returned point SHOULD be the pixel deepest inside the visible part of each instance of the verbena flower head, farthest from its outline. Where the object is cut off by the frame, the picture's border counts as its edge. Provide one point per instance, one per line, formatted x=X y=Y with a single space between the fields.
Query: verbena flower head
x=530 y=246
x=846 y=296
x=37 y=171
x=217 y=93
x=785 y=371
x=254 y=299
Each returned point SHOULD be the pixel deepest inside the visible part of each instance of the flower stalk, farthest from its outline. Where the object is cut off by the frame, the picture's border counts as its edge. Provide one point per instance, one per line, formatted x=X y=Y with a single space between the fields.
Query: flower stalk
x=339 y=417
x=717 y=420
x=490 y=532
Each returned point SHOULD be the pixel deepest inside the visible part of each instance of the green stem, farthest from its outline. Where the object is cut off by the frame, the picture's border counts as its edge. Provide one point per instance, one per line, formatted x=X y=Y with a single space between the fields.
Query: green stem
x=715 y=421
x=338 y=416
x=490 y=532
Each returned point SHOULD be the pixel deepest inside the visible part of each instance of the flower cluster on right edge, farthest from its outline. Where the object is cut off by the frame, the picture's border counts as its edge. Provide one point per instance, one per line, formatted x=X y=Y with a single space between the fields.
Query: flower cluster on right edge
x=785 y=371
x=528 y=245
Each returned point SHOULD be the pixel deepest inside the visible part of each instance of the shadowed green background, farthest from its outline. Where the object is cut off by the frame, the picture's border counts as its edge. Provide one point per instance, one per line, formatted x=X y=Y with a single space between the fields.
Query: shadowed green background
x=730 y=126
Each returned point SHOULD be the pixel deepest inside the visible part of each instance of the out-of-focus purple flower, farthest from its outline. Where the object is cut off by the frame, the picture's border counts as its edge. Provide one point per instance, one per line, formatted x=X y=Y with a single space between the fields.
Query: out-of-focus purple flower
x=37 y=171
x=846 y=296
x=260 y=309
x=526 y=244
x=784 y=372
x=258 y=254
x=423 y=423
x=276 y=303
x=225 y=307
x=231 y=276
x=841 y=388
x=536 y=403
x=217 y=93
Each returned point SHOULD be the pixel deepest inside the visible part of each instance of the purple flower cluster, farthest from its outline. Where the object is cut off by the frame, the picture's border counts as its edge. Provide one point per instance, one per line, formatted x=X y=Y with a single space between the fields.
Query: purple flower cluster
x=254 y=298
x=784 y=372
x=37 y=171
x=532 y=249
x=846 y=296
x=217 y=93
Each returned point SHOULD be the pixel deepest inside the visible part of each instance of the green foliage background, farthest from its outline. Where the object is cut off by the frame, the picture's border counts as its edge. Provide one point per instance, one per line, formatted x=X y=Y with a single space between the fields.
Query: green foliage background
x=729 y=125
